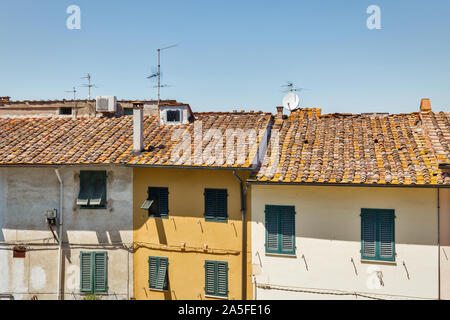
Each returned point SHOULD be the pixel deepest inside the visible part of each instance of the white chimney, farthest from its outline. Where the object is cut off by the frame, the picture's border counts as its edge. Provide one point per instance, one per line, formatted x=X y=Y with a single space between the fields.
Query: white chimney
x=138 y=126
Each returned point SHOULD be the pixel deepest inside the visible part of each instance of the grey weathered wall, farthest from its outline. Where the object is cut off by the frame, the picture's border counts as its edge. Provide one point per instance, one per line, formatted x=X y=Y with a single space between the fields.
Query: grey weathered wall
x=25 y=195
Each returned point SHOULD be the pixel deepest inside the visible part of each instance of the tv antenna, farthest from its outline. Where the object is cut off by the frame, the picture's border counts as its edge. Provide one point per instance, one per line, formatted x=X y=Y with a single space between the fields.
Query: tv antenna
x=290 y=87
x=157 y=74
x=88 y=85
x=74 y=91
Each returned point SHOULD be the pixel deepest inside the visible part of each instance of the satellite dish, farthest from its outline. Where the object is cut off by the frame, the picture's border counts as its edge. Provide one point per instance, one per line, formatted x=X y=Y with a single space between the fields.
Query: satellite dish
x=291 y=101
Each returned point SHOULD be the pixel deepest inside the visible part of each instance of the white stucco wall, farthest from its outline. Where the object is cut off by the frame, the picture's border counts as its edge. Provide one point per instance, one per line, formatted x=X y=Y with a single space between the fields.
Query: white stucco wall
x=328 y=244
x=25 y=195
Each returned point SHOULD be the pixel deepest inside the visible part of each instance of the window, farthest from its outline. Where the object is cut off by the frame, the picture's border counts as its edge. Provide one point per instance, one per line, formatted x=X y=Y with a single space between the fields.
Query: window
x=280 y=229
x=158 y=274
x=216 y=205
x=128 y=111
x=93 y=272
x=173 y=115
x=157 y=202
x=377 y=234
x=65 y=111
x=92 y=190
x=216 y=278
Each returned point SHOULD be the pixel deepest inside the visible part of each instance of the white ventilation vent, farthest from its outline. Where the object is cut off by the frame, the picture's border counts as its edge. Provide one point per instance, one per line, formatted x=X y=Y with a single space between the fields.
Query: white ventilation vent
x=106 y=104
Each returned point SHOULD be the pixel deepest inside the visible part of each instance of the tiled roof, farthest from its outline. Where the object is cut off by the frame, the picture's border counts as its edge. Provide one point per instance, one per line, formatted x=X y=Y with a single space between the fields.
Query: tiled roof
x=437 y=130
x=53 y=141
x=357 y=149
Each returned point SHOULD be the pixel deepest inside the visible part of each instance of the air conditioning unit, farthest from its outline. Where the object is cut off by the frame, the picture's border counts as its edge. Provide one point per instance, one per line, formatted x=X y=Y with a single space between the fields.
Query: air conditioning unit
x=106 y=104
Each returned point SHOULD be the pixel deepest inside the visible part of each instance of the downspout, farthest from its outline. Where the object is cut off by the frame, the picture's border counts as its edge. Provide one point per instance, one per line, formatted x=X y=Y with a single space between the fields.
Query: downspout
x=439 y=243
x=60 y=236
x=244 y=237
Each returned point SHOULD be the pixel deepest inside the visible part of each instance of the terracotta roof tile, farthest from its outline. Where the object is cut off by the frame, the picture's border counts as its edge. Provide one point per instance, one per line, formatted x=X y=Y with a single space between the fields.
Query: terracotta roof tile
x=357 y=149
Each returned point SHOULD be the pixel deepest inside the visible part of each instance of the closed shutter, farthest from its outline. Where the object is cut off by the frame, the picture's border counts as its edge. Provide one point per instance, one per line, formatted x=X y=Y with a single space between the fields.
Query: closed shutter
x=162 y=274
x=101 y=271
x=210 y=208
x=369 y=226
x=272 y=228
x=386 y=234
x=222 y=278
x=85 y=272
x=153 y=272
x=287 y=225
x=85 y=191
x=221 y=205
x=163 y=202
x=210 y=276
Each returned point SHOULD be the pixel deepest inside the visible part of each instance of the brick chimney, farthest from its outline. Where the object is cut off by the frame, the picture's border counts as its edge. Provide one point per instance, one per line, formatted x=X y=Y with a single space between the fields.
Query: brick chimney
x=425 y=105
x=279 y=113
x=138 y=126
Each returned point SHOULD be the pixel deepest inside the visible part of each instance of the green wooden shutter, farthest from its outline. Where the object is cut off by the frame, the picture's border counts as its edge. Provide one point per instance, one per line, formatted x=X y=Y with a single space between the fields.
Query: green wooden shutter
x=287 y=226
x=369 y=231
x=222 y=278
x=153 y=272
x=221 y=205
x=210 y=277
x=100 y=271
x=210 y=209
x=86 y=272
x=98 y=188
x=161 y=278
x=386 y=236
x=85 y=191
x=272 y=231
x=163 y=202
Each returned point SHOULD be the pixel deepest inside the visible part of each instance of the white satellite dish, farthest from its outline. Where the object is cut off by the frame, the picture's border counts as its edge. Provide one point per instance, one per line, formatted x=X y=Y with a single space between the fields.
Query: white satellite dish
x=291 y=101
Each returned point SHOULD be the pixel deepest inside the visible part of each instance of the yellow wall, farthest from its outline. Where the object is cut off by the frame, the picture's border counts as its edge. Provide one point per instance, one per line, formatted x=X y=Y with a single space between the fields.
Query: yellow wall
x=186 y=224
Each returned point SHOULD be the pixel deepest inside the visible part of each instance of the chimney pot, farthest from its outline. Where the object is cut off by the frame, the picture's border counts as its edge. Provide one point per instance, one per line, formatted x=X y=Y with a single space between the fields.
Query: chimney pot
x=425 y=105
x=279 y=112
x=138 y=126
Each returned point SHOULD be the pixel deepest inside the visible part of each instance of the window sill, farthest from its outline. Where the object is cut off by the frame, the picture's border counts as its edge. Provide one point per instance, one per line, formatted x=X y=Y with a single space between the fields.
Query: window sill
x=158 y=290
x=216 y=297
x=214 y=220
x=282 y=255
x=366 y=261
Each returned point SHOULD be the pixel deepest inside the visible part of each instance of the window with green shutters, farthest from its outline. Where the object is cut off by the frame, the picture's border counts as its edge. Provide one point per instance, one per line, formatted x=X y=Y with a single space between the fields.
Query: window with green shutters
x=158 y=273
x=160 y=205
x=280 y=229
x=378 y=234
x=92 y=193
x=93 y=272
x=216 y=207
x=216 y=278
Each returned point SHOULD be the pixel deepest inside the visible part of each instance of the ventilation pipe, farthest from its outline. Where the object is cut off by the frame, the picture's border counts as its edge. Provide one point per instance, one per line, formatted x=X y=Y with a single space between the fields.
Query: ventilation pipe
x=244 y=237
x=138 y=126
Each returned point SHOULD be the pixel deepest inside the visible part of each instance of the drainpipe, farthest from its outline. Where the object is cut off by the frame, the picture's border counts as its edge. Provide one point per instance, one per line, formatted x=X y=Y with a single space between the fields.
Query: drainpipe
x=244 y=237
x=60 y=235
x=439 y=244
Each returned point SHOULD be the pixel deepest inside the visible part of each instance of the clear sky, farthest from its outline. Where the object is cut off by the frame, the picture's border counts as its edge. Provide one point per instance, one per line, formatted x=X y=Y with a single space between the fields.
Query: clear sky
x=232 y=54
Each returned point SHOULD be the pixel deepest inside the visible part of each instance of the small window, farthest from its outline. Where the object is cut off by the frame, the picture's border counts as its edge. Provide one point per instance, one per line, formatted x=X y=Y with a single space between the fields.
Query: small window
x=280 y=229
x=92 y=190
x=173 y=115
x=216 y=278
x=157 y=202
x=93 y=272
x=216 y=205
x=378 y=234
x=128 y=111
x=65 y=111
x=158 y=273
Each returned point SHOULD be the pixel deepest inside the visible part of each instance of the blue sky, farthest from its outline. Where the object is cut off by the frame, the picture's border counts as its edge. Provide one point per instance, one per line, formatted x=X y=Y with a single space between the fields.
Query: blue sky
x=232 y=54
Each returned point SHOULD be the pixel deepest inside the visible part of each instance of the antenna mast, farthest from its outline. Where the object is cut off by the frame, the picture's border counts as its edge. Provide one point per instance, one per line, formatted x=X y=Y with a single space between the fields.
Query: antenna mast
x=158 y=73
x=89 y=85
